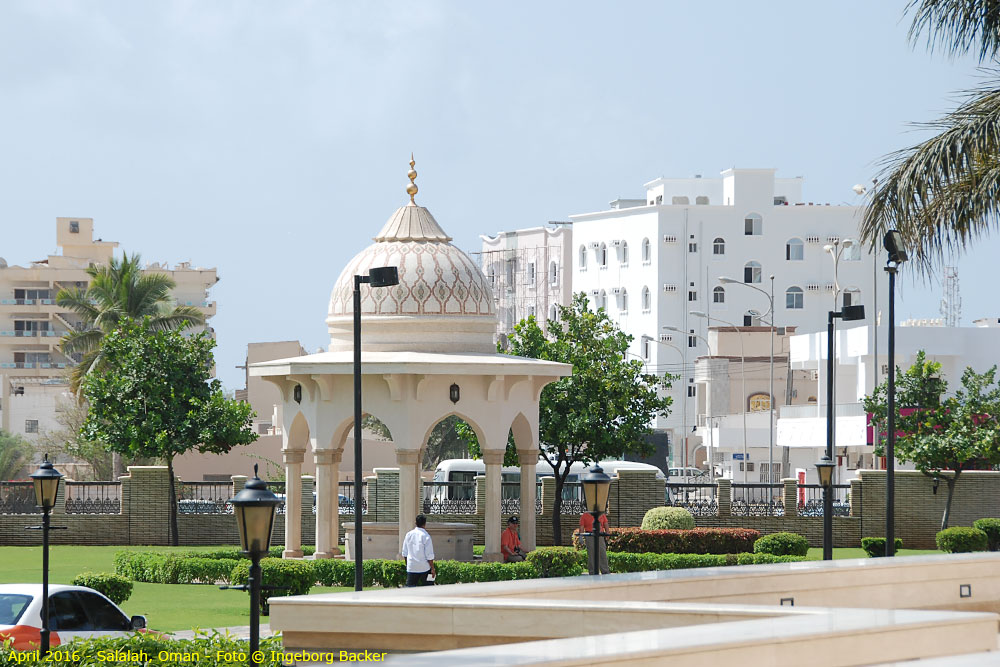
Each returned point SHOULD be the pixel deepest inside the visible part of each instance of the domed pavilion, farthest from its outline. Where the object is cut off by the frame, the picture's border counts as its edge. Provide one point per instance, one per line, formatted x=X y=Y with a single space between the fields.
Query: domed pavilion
x=419 y=338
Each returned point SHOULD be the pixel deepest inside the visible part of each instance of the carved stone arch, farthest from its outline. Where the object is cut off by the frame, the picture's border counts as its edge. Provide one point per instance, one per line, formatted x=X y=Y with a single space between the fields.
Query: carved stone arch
x=476 y=428
x=524 y=434
x=297 y=437
x=339 y=437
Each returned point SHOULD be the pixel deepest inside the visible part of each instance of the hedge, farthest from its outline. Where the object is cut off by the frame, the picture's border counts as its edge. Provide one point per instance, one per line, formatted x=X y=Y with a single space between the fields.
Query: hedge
x=557 y=561
x=693 y=541
x=286 y=577
x=782 y=544
x=624 y=562
x=961 y=539
x=114 y=587
x=667 y=518
x=159 y=568
x=875 y=546
x=992 y=529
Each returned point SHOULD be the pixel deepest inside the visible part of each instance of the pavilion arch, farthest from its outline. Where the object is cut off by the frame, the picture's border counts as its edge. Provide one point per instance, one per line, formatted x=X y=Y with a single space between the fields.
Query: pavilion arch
x=339 y=439
x=298 y=434
x=524 y=435
x=476 y=428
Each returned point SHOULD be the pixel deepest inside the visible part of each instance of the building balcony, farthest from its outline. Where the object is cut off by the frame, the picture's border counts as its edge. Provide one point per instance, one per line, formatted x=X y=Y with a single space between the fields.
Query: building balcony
x=32 y=365
x=27 y=302
x=31 y=334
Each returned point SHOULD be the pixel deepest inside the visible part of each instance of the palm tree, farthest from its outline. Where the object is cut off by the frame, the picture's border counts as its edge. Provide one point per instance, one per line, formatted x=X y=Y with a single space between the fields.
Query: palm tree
x=118 y=290
x=944 y=193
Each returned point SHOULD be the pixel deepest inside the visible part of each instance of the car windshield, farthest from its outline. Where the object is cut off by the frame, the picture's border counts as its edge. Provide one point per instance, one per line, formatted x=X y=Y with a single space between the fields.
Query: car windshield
x=11 y=607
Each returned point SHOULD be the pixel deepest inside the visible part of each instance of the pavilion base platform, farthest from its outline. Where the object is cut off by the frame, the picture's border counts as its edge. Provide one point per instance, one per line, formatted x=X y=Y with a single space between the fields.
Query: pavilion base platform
x=452 y=541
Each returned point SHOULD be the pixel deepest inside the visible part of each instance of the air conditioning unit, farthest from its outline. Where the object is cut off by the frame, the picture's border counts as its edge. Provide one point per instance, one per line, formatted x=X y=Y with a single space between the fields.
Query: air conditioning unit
x=595 y=245
x=668 y=287
x=669 y=239
x=617 y=244
x=666 y=338
x=616 y=290
x=595 y=292
x=812 y=239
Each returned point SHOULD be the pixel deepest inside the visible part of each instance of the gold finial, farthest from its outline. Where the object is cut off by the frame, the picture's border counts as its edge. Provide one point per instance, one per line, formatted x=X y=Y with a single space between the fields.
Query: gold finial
x=411 y=189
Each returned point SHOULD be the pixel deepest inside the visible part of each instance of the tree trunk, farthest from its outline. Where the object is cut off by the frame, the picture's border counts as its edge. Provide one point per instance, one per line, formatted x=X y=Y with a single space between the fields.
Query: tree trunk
x=950 y=481
x=116 y=466
x=173 y=503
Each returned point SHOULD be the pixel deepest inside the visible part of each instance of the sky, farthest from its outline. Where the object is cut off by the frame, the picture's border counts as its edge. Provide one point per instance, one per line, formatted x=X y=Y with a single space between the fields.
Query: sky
x=271 y=139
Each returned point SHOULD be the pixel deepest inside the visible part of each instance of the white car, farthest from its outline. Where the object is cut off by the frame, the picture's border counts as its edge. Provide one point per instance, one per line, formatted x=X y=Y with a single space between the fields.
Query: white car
x=687 y=476
x=74 y=612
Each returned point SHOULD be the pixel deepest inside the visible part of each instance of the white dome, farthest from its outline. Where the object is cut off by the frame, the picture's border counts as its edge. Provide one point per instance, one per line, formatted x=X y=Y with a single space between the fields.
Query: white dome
x=443 y=302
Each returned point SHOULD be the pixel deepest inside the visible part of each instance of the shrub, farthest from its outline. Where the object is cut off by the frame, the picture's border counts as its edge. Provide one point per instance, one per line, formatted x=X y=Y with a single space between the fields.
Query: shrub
x=961 y=539
x=694 y=541
x=288 y=577
x=992 y=529
x=782 y=544
x=333 y=572
x=644 y=562
x=114 y=587
x=875 y=546
x=158 y=568
x=393 y=573
x=667 y=518
x=557 y=561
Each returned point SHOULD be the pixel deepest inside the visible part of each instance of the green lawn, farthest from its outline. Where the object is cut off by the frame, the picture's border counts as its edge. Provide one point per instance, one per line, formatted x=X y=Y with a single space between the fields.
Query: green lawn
x=166 y=606
x=816 y=553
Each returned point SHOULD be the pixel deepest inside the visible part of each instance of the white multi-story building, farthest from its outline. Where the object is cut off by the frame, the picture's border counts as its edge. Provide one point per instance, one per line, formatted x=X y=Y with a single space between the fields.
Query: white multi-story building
x=32 y=367
x=651 y=262
x=527 y=271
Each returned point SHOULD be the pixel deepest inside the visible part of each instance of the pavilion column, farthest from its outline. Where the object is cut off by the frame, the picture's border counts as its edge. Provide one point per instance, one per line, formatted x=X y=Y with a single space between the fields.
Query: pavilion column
x=492 y=528
x=408 y=460
x=293 y=502
x=529 y=486
x=326 y=501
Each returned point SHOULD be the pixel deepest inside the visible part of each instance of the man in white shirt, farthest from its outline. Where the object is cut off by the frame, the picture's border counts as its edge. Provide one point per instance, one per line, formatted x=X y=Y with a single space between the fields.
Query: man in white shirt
x=418 y=551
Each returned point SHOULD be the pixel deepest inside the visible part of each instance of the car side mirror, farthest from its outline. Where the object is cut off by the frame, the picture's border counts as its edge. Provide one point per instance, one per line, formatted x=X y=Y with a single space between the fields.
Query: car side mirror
x=138 y=622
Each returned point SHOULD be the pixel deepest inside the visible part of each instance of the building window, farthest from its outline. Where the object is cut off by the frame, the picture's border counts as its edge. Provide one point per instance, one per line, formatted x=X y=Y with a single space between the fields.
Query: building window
x=794 y=250
x=692 y=247
x=531 y=273
x=645 y=300
x=692 y=295
x=719 y=295
x=624 y=253
x=793 y=298
x=531 y=311
x=602 y=256
x=692 y=390
x=623 y=301
x=645 y=349
x=553 y=313
x=760 y=403
x=753 y=225
x=74 y=227
x=602 y=300
x=751 y=272
x=852 y=296
x=719 y=246
x=583 y=258
x=750 y=319
x=646 y=250
x=31 y=426
x=553 y=273
x=692 y=339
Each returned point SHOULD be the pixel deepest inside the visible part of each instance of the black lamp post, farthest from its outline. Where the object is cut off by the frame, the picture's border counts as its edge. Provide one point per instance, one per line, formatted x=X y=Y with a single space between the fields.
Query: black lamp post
x=383 y=276
x=46 y=481
x=596 y=486
x=893 y=242
x=824 y=468
x=254 y=507
x=848 y=314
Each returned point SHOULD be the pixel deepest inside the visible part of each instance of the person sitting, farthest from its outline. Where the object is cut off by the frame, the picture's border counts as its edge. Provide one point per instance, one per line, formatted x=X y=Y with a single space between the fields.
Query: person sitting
x=510 y=543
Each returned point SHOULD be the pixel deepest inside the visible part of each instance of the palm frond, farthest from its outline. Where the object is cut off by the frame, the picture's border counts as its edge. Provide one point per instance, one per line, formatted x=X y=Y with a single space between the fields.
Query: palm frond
x=77 y=301
x=77 y=342
x=957 y=26
x=181 y=317
x=943 y=193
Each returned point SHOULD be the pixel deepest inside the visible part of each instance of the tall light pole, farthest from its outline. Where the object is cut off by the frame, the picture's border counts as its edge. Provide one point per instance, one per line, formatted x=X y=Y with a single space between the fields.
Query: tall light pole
x=836 y=250
x=385 y=276
x=770 y=382
x=46 y=483
x=743 y=380
x=861 y=190
x=893 y=242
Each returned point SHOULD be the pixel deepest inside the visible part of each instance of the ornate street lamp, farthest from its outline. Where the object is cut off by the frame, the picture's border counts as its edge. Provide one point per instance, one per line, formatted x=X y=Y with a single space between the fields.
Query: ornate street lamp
x=893 y=242
x=596 y=487
x=824 y=469
x=46 y=482
x=254 y=507
x=383 y=276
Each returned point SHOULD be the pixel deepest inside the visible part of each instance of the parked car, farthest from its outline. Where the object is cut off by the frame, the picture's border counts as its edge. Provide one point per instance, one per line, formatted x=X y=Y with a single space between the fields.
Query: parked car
x=687 y=476
x=74 y=612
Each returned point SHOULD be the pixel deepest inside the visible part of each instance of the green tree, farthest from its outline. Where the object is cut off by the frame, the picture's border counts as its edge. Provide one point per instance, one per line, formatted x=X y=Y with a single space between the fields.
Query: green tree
x=943 y=193
x=70 y=416
x=604 y=408
x=941 y=435
x=118 y=291
x=15 y=455
x=156 y=399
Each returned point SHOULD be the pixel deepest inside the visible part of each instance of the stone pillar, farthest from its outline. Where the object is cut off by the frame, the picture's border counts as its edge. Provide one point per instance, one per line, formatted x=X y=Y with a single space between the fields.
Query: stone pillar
x=335 y=501
x=409 y=460
x=725 y=498
x=855 y=500
x=790 y=496
x=492 y=528
x=293 y=502
x=529 y=487
x=326 y=502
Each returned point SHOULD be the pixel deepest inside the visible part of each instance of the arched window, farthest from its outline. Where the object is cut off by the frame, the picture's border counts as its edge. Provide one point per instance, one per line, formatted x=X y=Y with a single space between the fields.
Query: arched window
x=753 y=225
x=553 y=273
x=852 y=296
x=623 y=301
x=793 y=298
x=760 y=403
x=751 y=272
x=794 y=250
x=646 y=302
x=491 y=272
x=602 y=256
x=719 y=295
x=645 y=250
x=624 y=253
x=602 y=300
x=583 y=258
x=553 y=313
x=719 y=246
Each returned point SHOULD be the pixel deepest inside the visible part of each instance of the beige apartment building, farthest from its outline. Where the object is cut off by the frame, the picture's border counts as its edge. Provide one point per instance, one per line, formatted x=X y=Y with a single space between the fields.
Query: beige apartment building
x=32 y=367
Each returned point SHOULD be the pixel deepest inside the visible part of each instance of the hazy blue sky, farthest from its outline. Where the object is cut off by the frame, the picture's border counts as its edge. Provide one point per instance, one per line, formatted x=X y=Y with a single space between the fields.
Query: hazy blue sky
x=270 y=139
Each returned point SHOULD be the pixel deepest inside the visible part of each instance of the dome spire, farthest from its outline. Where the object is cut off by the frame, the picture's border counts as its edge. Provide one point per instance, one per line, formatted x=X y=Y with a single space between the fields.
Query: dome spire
x=411 y=189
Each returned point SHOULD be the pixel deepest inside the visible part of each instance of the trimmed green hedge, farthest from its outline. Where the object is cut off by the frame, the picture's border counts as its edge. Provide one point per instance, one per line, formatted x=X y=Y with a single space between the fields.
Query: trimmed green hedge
x=623 y=562
x=288 y=577
x=961 y=539
x=693 y=541
x=667 y=518
x=114 y=587
x=782 y=544
x=992 y=529
x=875 y=546
x=557 y=561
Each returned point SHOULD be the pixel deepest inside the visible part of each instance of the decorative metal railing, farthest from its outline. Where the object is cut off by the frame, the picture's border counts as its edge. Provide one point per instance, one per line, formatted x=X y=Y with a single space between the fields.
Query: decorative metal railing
x=18 y=498
x=449 y=498
x=205 y=498
x=573 y=501
x=93 y=497
x=758 y=500
x=510 y=498
x=810 y=499
x=345 y=497
x=278 y=489
x=698 y=499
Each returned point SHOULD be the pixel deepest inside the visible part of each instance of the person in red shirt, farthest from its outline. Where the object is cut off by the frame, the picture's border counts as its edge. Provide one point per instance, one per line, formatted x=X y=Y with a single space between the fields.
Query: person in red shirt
x=510 y=543
x=597 y=557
